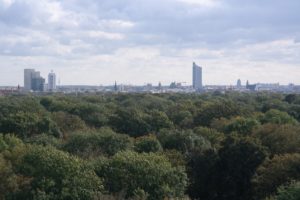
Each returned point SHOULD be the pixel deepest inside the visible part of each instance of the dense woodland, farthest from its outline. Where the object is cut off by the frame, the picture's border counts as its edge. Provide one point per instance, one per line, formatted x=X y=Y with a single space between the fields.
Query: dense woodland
x=234 y=146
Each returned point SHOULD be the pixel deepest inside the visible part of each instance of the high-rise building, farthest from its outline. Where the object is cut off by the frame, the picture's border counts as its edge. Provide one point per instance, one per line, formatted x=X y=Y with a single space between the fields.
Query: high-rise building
x=197 y=77
x=239 y=83
x=27 y=78
x=33 y=80
x=52 y=81
x=37 y=84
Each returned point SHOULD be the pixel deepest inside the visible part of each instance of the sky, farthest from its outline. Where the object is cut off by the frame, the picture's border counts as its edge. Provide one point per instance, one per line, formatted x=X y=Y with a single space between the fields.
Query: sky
x=98 y=42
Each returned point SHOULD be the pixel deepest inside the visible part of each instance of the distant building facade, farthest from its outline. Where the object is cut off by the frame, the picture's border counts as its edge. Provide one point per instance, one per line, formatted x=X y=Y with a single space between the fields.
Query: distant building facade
x=239 y=83
x=197 y=77
x=33 y=81
x=28 y=73
x=52 y=81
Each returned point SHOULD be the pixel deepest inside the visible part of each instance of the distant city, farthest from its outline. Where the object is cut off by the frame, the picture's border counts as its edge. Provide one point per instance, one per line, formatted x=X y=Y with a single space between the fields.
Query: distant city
x=35 y=83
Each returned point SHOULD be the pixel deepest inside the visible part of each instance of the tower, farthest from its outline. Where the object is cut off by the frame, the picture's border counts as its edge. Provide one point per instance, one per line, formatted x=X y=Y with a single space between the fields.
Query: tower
x=28 y=75
x=197 y=77
x=52 y=81
x=33 y=80
x=239 y=83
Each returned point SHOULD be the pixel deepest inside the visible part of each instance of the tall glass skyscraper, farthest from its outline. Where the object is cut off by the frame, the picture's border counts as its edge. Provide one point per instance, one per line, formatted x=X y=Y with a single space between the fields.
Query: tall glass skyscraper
x=197 y=77
x=52 y=81
x=33 y=80
x=28 y=74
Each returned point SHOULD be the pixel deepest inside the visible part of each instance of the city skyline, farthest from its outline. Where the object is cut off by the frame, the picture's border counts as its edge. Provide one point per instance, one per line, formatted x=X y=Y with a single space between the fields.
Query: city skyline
x=196 y=80
x=138 y=42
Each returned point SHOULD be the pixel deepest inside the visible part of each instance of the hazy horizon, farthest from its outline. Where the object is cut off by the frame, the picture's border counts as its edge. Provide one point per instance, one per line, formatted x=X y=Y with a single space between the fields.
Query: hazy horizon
x=149 y=41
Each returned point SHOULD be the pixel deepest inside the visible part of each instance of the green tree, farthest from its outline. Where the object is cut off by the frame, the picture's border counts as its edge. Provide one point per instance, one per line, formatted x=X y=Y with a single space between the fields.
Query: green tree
x=183 y=141
x=103 y=141
x=278 y=171
x=147 y=144
x=26 y=124
x=130 y=121
x=129 y=172
x=213 y=136
x=158 y=120
x=239 y=159
x=241 y=125
x=68 y=123
x=57 y=175
x=279 y=139
x=290 y=192
x=278 y=117
x=201 y=170
x=216 y=110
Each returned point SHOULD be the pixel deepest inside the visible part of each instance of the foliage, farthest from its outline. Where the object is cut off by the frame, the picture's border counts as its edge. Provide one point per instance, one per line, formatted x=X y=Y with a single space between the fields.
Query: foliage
x=279 y=139
x=290 y=192
x=241 y=125
x=131 y=121
x=216 y=110
x=278 y=117
x=183 y=141
x=68 y=123
x=275 y=172
x=129 y=172
x=103 y=141
x=147 y=144
x=234 y=146
x=26 y=124
x=212 y=135
x=57 y=175
x=239 y=159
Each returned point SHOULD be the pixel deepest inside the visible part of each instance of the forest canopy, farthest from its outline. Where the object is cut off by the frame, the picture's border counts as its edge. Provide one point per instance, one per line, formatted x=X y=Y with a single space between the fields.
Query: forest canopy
x=241 y=146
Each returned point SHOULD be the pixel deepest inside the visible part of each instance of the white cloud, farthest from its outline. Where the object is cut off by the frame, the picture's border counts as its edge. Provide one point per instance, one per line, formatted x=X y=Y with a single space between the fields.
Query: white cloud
x=151 y=40
x=6 y=3
x=207 y=3
x=105 y=35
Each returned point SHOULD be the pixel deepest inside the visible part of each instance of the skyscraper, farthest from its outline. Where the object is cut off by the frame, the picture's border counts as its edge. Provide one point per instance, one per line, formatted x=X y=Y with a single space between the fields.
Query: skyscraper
x=33 y=80
x=28 y=79
x=52 y=81
x=197 y=77
x=239 y=83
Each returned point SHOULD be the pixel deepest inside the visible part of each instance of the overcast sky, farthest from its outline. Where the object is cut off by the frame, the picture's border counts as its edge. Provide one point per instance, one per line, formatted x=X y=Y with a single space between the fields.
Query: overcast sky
x=146 y=41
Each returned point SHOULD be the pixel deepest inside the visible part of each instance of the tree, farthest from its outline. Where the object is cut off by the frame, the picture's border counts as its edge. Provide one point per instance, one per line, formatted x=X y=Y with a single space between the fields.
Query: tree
x=26 y=124
x=12 y=151
x=216 y=110
x=212 y=135
x=273 y=173
x=201 y=170
x=290 y=98
x=147 y=144
x=130 y=121
x=278 y=117
x=289 y=192
x=239 y=159
x=158 y=120
x=183 y=141
x=129 y=172
x=57 y=175
x=101 y=142
x=241 y=125
x=280 y=139
x=68 y=123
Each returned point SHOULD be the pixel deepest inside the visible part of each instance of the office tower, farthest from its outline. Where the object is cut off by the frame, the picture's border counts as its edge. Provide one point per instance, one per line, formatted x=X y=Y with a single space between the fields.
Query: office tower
x=33 y=80
x=27 y=79
x=38 y=84
x=197 y=77
x=239 y=83
x=52 y=81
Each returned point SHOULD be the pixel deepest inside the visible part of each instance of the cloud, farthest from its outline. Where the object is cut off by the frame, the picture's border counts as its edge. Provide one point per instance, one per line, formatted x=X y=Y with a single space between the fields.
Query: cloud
x=160 y=37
